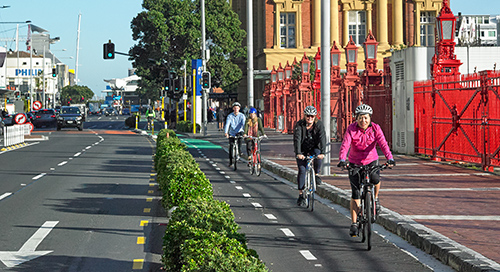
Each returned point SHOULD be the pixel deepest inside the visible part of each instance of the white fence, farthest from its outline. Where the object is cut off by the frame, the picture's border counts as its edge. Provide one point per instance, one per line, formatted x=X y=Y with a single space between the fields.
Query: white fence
x=15 y=134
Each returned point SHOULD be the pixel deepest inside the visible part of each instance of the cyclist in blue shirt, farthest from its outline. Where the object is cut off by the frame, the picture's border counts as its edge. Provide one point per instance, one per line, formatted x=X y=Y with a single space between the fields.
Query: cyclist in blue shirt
x=235 y=124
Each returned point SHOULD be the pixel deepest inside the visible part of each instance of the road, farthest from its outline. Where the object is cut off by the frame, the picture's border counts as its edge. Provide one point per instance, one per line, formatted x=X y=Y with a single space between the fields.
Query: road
x=79 y=201
x=290 y=238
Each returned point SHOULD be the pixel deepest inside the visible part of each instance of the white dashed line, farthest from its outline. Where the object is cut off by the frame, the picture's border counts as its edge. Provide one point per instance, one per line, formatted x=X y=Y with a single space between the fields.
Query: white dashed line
x=287 y=232
x=239 y=187
x=308 y=255
x=246 y=195
x=77 y=154
x=222 y=172
x=62 y=163
x=39 y=176
x=217 y=168
x=5 y=195
x=270 y=216
x=232 y=181
x=88 y=147
x=228 y=177
x=256 y=205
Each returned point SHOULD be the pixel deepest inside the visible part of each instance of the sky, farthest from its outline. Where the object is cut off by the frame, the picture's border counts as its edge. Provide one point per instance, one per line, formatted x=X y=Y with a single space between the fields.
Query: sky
x=100 y=21
x=110 y=20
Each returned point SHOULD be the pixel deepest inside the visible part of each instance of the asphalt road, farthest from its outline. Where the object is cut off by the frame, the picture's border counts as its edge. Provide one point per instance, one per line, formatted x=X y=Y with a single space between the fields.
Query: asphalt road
x=79 y=201
x=288 y=237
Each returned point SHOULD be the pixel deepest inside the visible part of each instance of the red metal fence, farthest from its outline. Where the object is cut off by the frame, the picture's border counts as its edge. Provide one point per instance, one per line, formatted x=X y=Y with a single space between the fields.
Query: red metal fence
x=458 y=118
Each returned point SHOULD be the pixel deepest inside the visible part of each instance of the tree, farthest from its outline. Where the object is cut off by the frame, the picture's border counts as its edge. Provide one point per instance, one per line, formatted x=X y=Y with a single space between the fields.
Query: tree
x=76 y=92
x=169 y=32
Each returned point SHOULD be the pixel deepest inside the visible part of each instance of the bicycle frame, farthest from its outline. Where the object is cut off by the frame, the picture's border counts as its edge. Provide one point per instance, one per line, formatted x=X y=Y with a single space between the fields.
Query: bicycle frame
x=310 y=183
x=255 y=166
x=235 y=150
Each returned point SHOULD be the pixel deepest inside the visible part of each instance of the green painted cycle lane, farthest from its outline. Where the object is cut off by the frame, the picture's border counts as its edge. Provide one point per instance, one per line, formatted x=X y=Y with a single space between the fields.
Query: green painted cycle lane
x=197 y=143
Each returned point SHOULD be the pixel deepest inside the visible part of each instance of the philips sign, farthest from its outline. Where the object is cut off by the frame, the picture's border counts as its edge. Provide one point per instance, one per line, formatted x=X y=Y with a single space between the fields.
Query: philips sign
x=28 y=72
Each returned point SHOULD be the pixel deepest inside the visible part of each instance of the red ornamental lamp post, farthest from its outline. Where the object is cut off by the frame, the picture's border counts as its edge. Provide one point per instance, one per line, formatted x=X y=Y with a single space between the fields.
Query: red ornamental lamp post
x=371 y=76
x=444 y=62
x=317 y=72
x=335 y=61
x=306 y=71
x=351 y=53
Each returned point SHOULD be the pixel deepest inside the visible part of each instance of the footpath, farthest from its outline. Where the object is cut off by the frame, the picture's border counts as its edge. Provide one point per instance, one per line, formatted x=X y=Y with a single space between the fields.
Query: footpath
x=448 y=211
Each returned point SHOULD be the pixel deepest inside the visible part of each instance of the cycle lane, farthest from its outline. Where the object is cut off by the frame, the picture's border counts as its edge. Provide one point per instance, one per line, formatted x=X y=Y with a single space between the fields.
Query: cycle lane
x=448 y=211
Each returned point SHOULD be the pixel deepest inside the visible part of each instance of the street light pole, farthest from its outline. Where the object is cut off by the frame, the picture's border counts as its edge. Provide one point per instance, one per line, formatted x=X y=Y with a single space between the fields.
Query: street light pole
x=204 y=63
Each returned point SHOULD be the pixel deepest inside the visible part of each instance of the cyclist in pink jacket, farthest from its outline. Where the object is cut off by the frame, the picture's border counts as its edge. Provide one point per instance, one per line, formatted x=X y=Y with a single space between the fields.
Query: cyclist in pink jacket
x=362 y=138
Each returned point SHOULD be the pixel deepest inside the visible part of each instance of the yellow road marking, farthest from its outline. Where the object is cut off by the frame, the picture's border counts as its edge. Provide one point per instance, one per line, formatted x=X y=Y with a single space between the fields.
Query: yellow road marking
x=144 y=223
x=138 y=264
x=141 y=240
x=147 y=210
x=150 y=191
x=149 y=199
x=152 y=184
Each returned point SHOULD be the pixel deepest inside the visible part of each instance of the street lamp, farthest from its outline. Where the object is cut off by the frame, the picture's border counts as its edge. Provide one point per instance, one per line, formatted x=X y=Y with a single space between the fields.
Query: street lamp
x=305 y=64
x=370 y=46
x=351 y=52
x=335 y=61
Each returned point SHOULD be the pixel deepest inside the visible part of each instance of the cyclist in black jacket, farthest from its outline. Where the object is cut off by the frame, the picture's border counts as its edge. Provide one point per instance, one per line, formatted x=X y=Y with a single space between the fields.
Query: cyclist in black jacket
x=309 y=139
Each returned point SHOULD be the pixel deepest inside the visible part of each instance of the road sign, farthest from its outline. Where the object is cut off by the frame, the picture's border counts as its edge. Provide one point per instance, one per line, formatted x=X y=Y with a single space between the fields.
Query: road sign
x=31 y=126
x=20 y=118
x=37 y=105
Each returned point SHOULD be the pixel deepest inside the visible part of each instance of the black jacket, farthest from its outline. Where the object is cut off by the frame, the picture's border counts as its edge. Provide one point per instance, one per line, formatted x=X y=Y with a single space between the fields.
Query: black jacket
x=318 y=135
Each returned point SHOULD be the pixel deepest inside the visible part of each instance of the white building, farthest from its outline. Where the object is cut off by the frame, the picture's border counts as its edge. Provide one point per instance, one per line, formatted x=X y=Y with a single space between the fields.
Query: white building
x=477 y=30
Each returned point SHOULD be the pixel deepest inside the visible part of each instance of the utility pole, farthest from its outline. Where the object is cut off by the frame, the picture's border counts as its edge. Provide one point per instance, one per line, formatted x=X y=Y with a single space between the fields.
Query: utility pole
x=204 y=63
x=325 y=81
x=77 y=47
x=250 y=88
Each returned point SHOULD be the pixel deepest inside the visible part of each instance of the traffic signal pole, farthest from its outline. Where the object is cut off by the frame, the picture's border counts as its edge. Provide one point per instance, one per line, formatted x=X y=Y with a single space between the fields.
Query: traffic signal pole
x=204 y=62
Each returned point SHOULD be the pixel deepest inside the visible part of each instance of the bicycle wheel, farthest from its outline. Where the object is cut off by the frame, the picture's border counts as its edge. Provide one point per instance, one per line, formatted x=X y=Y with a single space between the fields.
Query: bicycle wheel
x=258 y=164
x=235 y=156
x=368 y=210
x=306 y=189
x=310 y=189
x=252 y=165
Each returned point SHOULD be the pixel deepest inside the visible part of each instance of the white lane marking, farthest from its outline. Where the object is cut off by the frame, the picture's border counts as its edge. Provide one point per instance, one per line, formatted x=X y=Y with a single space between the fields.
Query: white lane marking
x=232 y=181
x=457 y=217
x=222 y=172
x=308 y=255
x=27 y=251
x=270 y=216
x=214 y=165
x=256 y=205
x=39 y=176
x=247 y=195
x=287 y=232
x=217 y=169
x=62 y=163
x=441 y=189
x=77 y=154
x=228 y=177
x=239 y=187
x=5 y=195
x=88 y=147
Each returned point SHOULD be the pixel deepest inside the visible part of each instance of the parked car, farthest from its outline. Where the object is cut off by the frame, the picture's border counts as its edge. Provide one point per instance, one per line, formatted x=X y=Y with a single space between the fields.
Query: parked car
x=126 y=111
x=45 y=118
x=70 y=117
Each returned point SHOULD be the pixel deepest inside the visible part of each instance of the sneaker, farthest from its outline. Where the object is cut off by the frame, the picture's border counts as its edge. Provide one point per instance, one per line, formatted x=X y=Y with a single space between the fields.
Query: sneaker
x=301 y=201
x=353 y=230
x=318 y=180
x=377 y=205
x=230 y=165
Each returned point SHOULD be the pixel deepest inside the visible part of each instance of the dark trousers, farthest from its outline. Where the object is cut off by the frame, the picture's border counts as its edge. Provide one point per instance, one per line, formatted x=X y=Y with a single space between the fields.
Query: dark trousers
x=231 y=143
x=302 y=164
x=250 y=147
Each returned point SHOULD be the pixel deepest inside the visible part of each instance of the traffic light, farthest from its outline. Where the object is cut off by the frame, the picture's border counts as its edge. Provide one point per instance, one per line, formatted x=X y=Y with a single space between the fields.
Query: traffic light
x=17 y=94
x=109 y=50
x=205 y=80
x=54 y=72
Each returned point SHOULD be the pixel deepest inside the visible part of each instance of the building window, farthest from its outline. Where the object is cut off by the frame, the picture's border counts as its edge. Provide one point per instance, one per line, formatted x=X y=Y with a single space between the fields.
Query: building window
x=357 y=26
x=427 y=22
x=492 y=34
x=287 y=30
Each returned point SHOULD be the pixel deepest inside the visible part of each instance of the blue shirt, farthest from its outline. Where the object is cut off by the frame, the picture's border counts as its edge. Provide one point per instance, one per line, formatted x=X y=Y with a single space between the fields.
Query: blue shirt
x=234 y=124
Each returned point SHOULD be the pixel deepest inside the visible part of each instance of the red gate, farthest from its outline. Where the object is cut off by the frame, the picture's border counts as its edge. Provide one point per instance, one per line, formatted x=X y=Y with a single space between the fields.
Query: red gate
x=458 y=118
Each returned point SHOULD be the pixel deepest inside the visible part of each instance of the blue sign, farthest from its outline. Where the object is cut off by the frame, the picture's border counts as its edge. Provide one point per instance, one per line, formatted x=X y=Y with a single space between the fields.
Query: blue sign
x=197 y=66
x=28 y=72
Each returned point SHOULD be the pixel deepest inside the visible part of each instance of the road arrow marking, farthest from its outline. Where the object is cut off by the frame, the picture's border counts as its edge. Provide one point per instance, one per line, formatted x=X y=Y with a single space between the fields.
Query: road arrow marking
x=27 y=251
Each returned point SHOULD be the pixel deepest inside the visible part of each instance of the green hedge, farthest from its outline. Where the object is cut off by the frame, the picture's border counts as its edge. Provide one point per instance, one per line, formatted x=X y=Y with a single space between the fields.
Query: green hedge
x=186 y=126
x=202 y=234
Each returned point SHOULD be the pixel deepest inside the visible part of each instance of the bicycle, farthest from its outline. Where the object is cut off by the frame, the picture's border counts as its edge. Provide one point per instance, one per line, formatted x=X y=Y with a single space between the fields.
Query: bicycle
x=236 y=150
x=367 y=214
x=255 y=164
x=310 y=183
x=150 y=122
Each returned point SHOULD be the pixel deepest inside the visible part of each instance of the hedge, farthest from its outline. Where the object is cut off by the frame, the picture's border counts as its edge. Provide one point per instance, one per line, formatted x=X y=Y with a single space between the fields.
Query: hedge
x=202 y=234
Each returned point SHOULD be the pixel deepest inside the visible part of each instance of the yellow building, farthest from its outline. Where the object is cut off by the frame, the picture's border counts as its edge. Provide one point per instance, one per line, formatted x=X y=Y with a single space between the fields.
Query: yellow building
x=285 y=29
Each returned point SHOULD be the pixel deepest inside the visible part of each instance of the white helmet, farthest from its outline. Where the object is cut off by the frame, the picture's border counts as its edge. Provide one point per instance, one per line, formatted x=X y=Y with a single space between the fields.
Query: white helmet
x=363 y=109
x=236 y=104
x=310 y=110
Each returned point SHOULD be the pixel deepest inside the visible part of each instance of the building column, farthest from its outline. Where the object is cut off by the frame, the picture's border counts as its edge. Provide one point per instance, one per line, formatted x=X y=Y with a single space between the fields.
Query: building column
x=277 y=42
x=334 y=21
x=316 y=42
x=369 y=16
x=398 y=22
x=417 y=25
x=345 y=25
x=382 y=25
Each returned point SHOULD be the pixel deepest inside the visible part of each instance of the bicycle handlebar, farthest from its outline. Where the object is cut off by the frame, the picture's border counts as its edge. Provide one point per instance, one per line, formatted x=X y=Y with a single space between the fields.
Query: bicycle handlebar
x=258 y=138
x=357 y=168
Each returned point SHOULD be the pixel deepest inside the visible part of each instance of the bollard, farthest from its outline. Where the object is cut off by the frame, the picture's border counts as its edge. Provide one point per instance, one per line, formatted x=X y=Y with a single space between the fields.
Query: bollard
x=136 y=121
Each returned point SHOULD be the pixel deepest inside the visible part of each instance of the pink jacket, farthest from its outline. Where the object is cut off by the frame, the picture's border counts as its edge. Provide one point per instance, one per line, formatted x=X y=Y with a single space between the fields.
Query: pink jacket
x=363 y=144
